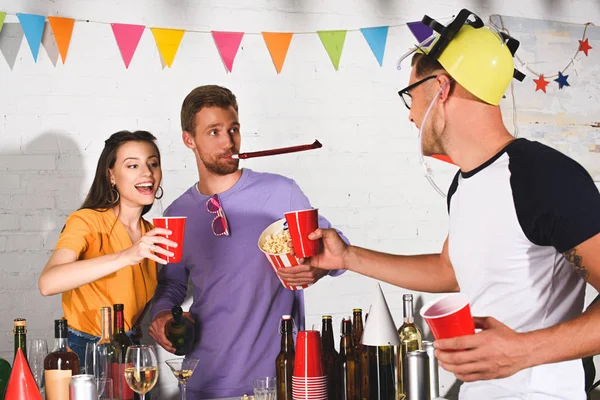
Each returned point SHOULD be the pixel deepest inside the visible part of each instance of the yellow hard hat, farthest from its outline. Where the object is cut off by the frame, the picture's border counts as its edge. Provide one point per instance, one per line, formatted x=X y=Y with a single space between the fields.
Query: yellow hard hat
x=478 y=57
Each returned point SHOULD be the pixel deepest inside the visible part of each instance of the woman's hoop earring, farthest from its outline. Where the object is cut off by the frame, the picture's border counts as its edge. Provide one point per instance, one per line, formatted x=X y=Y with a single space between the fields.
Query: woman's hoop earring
x=162 y=192
x=114 y=198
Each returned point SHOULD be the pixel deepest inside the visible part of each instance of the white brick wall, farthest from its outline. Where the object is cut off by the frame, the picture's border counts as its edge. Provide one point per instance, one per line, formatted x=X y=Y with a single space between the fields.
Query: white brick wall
x=366 y=179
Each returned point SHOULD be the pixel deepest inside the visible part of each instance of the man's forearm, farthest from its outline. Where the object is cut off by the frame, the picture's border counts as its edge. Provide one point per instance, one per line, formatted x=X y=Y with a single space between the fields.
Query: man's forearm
x=423 y=273
x=571 y=340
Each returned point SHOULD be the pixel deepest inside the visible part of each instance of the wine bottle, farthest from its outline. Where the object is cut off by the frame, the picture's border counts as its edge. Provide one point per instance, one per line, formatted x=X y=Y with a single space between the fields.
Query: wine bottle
x=108 y=354
x=5 y=370
x=20 y=332
x=60 y=364
x=180 y=332
x=284 y=363
x=410 y=338
x=347 y=362
x=330 y=358
x=123 y=342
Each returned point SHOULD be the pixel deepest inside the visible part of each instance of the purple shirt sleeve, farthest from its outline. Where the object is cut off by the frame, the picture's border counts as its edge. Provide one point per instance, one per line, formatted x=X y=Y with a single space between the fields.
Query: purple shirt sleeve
x=299 y=201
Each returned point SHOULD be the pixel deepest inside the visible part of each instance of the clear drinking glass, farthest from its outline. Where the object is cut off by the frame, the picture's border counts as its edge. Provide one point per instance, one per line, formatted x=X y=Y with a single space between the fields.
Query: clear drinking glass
x=265 y=388
x=141 y=369
x=182 y=368
x=37 y=351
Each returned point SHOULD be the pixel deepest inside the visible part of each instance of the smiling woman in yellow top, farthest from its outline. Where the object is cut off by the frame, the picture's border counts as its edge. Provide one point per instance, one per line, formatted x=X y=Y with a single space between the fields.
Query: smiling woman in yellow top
x=106 y=252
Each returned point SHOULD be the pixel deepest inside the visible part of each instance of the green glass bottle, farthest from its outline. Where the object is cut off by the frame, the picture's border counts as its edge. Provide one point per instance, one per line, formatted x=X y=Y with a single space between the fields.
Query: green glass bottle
x=20 y=332
x=4 y=376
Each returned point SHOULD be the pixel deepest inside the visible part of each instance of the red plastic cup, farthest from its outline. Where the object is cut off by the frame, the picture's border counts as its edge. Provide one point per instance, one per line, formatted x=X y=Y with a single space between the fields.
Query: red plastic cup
x=177 y=227
x=308 y=354
x=301 y=223
x=449 y=316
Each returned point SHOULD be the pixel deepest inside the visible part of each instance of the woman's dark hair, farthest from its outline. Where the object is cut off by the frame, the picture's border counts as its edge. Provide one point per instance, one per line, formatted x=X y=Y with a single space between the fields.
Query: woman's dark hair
x=101 y=196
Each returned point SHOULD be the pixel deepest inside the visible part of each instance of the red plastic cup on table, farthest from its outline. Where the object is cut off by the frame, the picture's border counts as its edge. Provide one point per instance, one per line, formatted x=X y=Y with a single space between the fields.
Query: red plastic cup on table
x=301 y=223
x=177 y=227
x=308 y=355
x=449 y=316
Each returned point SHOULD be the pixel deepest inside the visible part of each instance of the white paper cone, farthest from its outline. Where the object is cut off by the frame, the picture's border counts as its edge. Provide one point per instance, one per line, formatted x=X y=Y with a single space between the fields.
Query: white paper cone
x=380 y=329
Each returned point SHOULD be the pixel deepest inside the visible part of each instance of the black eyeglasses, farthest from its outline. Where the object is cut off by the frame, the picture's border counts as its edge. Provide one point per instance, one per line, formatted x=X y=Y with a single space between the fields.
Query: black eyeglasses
x=406 y=97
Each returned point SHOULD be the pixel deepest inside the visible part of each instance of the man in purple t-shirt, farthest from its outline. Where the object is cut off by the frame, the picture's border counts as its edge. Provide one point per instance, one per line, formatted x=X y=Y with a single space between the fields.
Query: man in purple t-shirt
x=238 y=300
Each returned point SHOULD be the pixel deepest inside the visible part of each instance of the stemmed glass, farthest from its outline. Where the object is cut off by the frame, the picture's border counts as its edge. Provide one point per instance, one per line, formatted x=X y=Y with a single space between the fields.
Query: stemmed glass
x=182 y=368
x=141 y=369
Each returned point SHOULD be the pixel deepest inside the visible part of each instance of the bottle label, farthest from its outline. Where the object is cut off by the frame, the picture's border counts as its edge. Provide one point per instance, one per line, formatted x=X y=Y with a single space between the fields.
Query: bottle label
x=118 y=374
x=57 y=384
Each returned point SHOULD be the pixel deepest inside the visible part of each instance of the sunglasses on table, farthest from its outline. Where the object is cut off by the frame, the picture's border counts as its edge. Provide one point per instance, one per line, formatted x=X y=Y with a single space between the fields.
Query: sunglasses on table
x=219 y=224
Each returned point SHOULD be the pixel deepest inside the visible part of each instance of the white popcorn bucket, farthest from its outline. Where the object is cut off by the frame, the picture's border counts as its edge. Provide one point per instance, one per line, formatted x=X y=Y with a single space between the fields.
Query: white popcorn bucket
x=278 y=261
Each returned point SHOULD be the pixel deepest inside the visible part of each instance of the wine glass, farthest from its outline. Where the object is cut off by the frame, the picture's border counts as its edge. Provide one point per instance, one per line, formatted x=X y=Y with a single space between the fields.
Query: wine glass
x=141 y=369
x=182 y=368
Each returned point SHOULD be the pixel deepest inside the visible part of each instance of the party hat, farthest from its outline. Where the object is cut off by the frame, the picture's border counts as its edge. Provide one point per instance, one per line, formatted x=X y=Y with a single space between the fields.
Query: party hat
x=21 y=385
x=380 y=329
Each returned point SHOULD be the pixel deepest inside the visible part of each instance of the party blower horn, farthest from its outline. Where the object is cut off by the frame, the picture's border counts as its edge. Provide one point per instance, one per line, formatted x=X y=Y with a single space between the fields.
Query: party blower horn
x=21 y=385
x=380 y=329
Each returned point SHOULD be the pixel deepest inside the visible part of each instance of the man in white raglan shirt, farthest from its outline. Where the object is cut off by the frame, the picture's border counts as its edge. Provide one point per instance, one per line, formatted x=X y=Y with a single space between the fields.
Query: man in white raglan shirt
x=524 y=228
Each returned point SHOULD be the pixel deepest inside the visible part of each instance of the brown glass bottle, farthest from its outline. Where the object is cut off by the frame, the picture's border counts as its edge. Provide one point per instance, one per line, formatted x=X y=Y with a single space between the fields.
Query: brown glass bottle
x=284 y=363
x=330 y=358
x=347 y=362
x=20 y=332
x=123 y=343
x=60 y=364
x=362 y=356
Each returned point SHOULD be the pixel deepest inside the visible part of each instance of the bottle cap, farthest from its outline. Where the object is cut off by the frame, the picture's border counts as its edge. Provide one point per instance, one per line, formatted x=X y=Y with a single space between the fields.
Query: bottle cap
x=118 y=307
x=357 y=310
x=20 y=322
x=60 y=328
x=407 y=297
x=286 y=317
x=326 y=317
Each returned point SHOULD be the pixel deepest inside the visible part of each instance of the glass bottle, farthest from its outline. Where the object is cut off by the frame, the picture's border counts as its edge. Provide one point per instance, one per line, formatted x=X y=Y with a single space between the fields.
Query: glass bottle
x=20 y=332
x=60 y=364
x=108 y=355
x=410 y=338
x=284 y=363
x=181 y=332
x=330 y=358
x=347 y=362
x=123 y=342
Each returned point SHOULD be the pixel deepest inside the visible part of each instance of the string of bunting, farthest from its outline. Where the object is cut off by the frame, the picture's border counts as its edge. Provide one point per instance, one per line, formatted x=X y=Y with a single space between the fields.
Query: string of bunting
x=560 y=78
x=167 y=40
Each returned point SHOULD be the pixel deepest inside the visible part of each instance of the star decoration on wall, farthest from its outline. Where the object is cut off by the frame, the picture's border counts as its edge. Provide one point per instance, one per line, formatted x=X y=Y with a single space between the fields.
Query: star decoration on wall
x=541 y=83
x=584 y=46
x=562 y=80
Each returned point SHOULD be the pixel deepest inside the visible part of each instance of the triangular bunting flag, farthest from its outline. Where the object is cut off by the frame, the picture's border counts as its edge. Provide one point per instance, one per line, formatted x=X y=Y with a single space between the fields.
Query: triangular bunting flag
x=2 y=16
x=49 y=43
x=420 y=31
x=333 y=41
x=278 y=44
x=376 y=38
x=10 y=42
x=167 y=41
x=33 y=27
x=228 y=44
x=21 y=385
x=63 y=29
x=128 y=36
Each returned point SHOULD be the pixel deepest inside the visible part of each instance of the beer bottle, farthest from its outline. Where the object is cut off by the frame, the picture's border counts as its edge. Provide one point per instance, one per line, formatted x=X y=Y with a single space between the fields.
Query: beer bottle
x=284 y=364
x=330 y=359
x=347 y=362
